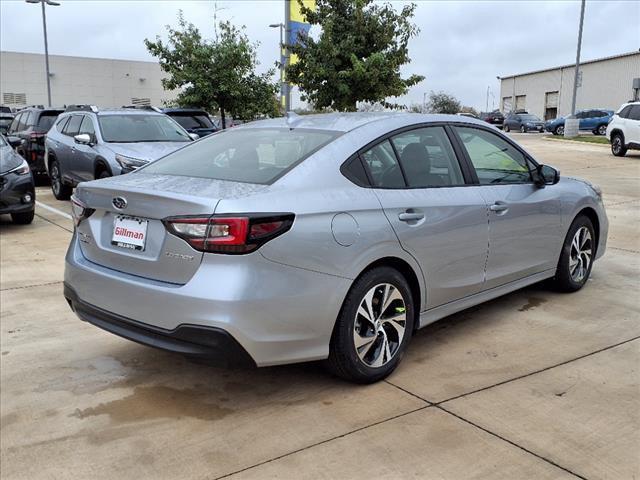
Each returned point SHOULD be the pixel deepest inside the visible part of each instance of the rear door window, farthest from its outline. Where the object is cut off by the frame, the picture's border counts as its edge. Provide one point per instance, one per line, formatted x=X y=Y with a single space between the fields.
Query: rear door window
x=427 y=158
x=73 y=126
x=251 y=155
x=15 y=124
x=46 y=120
x=494 y=159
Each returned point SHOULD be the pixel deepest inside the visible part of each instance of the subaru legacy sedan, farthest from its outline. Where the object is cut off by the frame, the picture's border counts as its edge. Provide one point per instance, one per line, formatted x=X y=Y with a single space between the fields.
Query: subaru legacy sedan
x=330 y=237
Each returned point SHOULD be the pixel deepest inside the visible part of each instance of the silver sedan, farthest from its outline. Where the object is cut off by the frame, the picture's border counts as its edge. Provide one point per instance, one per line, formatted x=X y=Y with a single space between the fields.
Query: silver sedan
x=330 y=237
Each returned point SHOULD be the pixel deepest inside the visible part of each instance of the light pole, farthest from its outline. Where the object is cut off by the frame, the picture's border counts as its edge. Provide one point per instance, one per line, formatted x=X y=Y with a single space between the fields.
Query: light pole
x=46 y=45
x=283 y=83
x=575 y=77
x=424 y=102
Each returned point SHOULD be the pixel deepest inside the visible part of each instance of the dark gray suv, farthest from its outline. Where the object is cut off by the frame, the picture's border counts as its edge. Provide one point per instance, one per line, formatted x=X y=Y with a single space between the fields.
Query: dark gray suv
x=86 y=143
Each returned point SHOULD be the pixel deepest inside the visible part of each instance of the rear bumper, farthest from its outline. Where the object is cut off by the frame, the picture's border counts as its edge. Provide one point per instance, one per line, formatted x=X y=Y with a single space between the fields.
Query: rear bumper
x=276 y=313
x=193 y=340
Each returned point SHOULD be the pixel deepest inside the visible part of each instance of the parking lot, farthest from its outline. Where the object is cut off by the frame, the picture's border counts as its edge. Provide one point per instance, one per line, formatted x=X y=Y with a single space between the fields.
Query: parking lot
x=535 y=384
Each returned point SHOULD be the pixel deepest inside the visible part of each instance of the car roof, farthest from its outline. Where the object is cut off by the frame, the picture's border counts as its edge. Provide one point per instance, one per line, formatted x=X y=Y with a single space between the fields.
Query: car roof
x=183 y=110
x=346 y=122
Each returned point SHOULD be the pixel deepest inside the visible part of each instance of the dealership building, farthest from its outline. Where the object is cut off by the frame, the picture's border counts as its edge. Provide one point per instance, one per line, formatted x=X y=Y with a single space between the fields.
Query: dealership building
x=80 y=80
x=604 y=83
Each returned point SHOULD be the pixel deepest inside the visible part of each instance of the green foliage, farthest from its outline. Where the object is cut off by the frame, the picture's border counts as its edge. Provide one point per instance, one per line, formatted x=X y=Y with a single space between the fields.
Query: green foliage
x=357 y=57
x=442 y=102
x=215 y=74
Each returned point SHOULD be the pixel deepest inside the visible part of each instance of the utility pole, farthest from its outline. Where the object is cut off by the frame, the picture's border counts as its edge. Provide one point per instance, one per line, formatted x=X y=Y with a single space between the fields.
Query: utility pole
x=281 y=62
x=575 y=77
x=424 y=102
x=46 y=44
x=487 y=107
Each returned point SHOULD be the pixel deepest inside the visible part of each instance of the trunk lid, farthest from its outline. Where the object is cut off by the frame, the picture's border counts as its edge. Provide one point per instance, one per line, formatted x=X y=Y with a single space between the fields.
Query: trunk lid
x=149 y=198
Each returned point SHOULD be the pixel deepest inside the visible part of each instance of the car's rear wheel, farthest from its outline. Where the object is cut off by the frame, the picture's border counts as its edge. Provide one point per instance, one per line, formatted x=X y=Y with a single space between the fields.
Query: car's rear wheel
x=523 y=129
x=24 y=218
x=374 y=327
x=576 y=259
x=559 y=130
x=59 y=189
x=601 y=130
x=617 y=145
x=104 y=174
x=506 y=128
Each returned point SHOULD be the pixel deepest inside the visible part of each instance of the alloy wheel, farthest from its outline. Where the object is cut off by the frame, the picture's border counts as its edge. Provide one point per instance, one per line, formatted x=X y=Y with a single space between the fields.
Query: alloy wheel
x=602 y=130
x=523 y=129
x=617 y=144
x=560 y=130
x=55 y=179
x=580 y=255
x=380 y=325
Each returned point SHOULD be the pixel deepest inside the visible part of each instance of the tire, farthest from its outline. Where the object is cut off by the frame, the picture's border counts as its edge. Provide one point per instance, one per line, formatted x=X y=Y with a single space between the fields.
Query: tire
x=506 y=128
x=601 y=130
x=372 y=362
x=617 y=145
x=104 y=174
x=570 y=273
x=23 y=218
x=559 y=130
x=523 y=129
x=59 y=189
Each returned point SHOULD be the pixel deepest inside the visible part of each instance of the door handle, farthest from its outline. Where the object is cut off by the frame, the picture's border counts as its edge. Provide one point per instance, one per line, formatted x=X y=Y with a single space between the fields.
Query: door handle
x=499 y=207
x=410 y=216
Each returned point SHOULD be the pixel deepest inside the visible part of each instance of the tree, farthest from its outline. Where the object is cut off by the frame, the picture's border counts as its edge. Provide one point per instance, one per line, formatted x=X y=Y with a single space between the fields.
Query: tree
x=357 y=57
x=442 y=102
x=215 y=74
x=471 y=110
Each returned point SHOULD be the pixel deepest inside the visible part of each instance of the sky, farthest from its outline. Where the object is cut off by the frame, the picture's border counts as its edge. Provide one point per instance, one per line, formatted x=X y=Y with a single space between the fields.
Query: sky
x=461 y=48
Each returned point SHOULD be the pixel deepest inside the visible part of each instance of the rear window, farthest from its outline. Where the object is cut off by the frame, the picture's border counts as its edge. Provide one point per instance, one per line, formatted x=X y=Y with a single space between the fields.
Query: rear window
x=190 y=120
x=46 y=120
x=252 y=155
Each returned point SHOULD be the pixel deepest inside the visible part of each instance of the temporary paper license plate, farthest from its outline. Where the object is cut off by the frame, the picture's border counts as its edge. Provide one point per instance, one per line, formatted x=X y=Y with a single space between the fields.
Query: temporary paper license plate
x=129 y=232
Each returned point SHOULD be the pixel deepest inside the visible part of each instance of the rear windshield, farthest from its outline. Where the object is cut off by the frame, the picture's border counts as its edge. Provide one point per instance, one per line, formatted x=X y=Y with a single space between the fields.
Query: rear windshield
x=191 y=120
x=529 y=117
x=135 y=128
x=251 y=155
x=47 y=119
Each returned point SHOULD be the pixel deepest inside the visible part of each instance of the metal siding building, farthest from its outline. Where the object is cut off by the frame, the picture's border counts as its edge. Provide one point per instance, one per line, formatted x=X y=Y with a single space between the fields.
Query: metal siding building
x=604 y=83
x=81 y=80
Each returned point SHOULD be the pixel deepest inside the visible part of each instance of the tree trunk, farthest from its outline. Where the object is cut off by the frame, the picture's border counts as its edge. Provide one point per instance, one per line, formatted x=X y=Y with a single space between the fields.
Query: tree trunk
x=223 y=119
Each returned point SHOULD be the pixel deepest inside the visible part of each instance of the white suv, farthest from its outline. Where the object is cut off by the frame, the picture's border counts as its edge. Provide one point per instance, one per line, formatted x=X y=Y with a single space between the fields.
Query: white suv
x=623 y=130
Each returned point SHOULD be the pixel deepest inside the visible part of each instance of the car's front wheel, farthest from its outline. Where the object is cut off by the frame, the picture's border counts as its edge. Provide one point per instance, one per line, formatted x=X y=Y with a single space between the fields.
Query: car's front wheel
x=373 y=328
x=617 y=145
x=59 y=189
x=559 y=130
x=523 y=129
x=576 y=258
x=506 y=128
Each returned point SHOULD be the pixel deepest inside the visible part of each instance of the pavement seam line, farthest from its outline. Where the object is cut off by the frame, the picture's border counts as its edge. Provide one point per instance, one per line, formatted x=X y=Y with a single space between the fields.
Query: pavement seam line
x=623 y=249
x=510 y=442
x=293 y=452
x=430 y=403
x=53 y=223
x=535 y=372
x=30 y=286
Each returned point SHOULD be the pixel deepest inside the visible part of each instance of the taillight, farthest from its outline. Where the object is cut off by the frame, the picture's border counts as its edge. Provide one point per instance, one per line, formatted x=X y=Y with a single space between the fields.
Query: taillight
x=79 y=211
x=34 y=135
x=229 y=234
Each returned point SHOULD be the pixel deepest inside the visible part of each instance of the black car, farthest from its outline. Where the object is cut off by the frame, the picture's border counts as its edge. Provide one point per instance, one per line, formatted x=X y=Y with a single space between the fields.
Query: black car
x=524 y=122
x=494 y=118
x=193 y=120
x=17 y=190
x=5 y=120
x=31 y=125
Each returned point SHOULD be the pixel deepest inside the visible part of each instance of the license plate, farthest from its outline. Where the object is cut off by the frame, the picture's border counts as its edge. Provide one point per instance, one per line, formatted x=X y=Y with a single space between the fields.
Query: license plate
x=129 y=232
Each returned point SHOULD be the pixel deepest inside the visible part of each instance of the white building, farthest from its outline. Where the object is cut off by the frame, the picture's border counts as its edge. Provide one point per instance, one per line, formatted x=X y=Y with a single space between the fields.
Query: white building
x=80 y=80
x=602 y=83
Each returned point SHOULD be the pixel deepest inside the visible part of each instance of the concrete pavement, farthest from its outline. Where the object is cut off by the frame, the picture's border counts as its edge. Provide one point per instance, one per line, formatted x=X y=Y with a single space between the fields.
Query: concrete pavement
x=532 y=385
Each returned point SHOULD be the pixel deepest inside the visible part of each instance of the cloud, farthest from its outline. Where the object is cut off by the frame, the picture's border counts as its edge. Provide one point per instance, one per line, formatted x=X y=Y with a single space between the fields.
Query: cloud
x=461 y=48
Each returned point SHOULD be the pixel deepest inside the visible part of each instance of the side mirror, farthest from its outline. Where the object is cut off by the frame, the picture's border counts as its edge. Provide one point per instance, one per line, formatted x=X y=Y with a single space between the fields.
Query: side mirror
x=83 y=139
x=194 y=136
x=14 y=141
x=546 y=175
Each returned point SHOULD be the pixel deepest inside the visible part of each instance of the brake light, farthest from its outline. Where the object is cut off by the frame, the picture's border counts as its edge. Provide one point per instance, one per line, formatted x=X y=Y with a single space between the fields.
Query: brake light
x=34 y=135
x=79 y=211
x=229 y=234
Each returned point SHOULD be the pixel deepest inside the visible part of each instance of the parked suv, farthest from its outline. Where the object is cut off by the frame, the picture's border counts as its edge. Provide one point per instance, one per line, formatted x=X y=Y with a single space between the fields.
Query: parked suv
x=495 y=118
x=523 y=121
x=193 y=120
x=86 y=143
x=594 y=120
x=624 y=129
x=31 y=125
